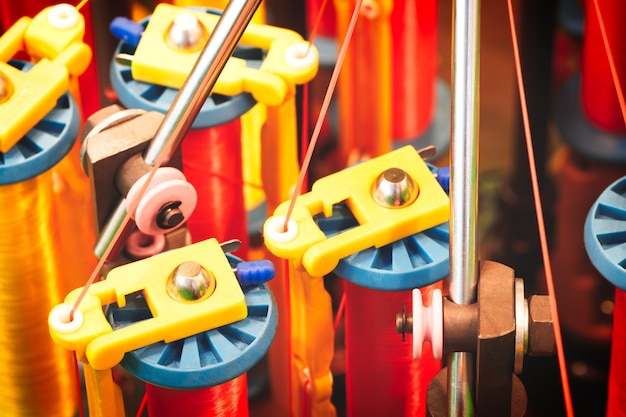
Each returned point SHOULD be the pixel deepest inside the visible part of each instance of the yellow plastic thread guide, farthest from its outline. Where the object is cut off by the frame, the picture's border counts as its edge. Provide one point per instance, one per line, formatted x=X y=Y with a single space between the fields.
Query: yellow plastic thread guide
x=156 y=62
x=96 y=343
x=312 y=338
x=33 y=94
x=306 y=244
x=259 y=15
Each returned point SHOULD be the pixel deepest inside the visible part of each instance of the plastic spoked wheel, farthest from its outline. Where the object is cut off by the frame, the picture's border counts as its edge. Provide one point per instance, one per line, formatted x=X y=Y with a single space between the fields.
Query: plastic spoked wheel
x=206 y=359
x=605 y=233
x=413 y=262
x=45 y=144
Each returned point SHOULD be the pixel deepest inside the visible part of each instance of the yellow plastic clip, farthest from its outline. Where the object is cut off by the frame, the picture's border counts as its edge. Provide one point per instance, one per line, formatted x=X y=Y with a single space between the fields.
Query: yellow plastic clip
x=159 y=61
x=305 y=244
x=174 y=315
x=53 y=39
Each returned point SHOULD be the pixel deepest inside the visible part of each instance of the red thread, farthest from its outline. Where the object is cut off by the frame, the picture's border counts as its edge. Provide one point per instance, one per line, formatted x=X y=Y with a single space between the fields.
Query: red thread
x=382 y=378
x=414 y=69
x=326 y=103
x=598 y=90
x=225 y=400
x=212 y=164
x=567 y=396
x=325 y=19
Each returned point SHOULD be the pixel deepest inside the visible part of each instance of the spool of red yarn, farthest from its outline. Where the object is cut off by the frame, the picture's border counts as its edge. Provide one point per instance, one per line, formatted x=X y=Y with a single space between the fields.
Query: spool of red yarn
x=414 y=69
x=225 y=400
x=212 y=164
x=599 y=97
x=382 y=378
x=616 y=405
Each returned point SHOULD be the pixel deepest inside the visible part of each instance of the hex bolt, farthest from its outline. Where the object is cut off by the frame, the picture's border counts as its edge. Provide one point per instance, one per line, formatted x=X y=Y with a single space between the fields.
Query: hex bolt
x=540 y=327
x=170 y=215
x=404 y=322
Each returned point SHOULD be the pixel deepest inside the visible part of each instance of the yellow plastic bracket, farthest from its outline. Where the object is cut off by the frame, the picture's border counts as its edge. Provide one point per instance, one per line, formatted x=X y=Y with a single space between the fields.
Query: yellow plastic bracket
x=32 y=95
x=378 y=225
x=97 y=344
x=156 y=62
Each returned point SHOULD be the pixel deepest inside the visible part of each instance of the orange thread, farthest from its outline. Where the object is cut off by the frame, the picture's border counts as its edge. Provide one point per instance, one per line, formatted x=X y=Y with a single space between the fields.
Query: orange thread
x=325 y=104
x=540 y=221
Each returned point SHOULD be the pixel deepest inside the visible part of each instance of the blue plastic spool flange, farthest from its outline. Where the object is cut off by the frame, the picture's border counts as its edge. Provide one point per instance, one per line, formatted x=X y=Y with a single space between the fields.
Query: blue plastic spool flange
x=413 y=262
x=216 y=110
x=578 y=132
x=605 y=233
x=209 y=358
x=45 y=144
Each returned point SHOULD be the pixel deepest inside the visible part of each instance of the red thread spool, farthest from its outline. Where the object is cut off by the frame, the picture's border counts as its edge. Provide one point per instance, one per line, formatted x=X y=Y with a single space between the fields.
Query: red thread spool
x=414 y=69
x=382 y=378
x=225 y=400
x=616 y=405
x=599 y=97
x=212 y=164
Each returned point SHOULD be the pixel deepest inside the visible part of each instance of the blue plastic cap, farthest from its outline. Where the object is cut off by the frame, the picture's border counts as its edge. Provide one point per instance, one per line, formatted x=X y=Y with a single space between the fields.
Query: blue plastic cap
x=255 y=272
x=126 y=30
x=443 y=178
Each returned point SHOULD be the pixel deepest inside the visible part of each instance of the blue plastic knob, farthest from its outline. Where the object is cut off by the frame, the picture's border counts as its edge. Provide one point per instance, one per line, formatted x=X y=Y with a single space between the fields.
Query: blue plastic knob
x=126 y=30
x=255 y=272
x=443 y=178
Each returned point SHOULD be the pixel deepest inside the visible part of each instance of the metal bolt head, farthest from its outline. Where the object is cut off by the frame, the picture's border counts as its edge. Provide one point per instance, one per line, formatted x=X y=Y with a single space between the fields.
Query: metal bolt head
x=394 y=188
x=186 y=33
x=540 y=327
x=404 y=322
x=190 y=282
x=170 y=216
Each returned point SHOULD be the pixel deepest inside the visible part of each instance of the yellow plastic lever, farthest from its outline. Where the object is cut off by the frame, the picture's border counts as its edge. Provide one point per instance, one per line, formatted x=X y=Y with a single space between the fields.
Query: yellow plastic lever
x=53 y=39
x=97 y=344
x=306 y=244
x=155 y=61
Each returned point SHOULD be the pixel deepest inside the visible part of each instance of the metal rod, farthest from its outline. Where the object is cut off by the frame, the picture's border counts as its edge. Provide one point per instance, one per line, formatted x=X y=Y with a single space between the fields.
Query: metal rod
x=464 y=191
x=186 y=106
x=191 y=96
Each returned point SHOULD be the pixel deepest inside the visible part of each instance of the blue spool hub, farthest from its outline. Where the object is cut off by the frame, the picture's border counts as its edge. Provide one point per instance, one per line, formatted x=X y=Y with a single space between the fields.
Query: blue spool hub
x=605 y=233
x=206 y=359
x=216 y=110
x=45 y=144
x=413 y=262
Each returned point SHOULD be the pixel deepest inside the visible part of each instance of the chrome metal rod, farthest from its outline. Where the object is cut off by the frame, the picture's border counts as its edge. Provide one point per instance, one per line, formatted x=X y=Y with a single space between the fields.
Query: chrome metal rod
x=464 y=153
x=464 y=191
x=190 y=98
x=186 y=106
x=460 y=375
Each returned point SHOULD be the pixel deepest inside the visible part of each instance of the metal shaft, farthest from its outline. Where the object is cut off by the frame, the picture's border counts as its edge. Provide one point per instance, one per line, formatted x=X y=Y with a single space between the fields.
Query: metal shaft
x=190 y=98
x=464 y=190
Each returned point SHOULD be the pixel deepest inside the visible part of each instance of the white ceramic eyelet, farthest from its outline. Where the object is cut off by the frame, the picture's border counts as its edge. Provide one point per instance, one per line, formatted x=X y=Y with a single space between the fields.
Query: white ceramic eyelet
x=274 y=229
x=59 y=319
x=63 y=16
x=301 y=55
